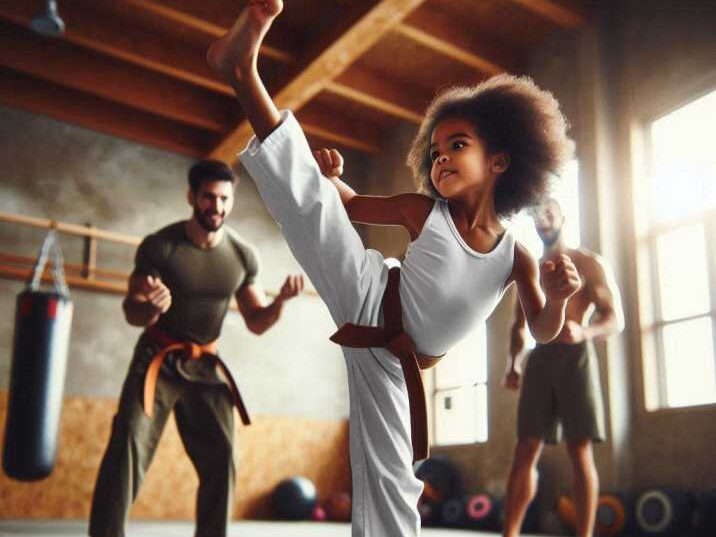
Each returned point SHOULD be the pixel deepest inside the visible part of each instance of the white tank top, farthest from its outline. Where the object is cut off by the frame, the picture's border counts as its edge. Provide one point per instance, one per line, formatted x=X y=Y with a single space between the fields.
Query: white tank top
x=446 y=287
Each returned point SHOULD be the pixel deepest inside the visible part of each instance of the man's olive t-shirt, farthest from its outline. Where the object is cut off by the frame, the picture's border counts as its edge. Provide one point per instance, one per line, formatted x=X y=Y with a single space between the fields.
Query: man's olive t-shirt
x=201 y=281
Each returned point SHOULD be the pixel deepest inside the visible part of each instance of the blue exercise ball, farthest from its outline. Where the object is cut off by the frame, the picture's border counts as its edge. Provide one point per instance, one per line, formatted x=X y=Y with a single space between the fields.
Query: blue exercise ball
x=294 y=499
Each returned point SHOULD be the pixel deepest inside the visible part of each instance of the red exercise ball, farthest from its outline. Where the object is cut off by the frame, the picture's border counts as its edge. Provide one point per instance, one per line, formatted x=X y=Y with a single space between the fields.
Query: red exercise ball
x=338 y=507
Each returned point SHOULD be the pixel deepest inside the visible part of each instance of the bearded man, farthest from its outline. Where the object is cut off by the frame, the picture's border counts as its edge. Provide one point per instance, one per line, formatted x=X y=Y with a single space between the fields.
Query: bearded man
x=561 y=394
x=185 y=275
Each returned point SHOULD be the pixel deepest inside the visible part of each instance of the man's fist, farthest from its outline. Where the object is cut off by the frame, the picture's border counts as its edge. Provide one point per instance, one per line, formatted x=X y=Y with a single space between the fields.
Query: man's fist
x=156 y=293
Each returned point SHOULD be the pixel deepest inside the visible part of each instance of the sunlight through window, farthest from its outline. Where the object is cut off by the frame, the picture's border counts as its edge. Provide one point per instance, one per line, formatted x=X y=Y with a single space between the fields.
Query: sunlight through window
x=681 y=265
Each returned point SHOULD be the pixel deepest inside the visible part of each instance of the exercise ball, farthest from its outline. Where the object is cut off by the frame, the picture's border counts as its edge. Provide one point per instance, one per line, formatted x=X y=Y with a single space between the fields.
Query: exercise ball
x=339 y=506
x=294 y=499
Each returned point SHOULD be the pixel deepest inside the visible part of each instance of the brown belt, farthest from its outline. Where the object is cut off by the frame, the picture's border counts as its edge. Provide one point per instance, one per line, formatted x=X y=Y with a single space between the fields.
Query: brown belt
x=193 y=351
x=397 y=341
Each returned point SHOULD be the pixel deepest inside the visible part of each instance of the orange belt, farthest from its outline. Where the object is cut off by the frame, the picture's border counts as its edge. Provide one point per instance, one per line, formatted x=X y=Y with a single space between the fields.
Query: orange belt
x=397 y=341
x=193 y=351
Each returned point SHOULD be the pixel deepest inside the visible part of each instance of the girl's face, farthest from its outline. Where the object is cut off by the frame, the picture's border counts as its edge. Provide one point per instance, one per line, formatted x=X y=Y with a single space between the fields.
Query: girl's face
x=461 y=164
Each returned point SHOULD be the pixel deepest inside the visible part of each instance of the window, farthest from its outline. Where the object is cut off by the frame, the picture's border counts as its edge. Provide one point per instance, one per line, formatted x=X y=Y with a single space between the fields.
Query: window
x=458 y=385
x=676 y=232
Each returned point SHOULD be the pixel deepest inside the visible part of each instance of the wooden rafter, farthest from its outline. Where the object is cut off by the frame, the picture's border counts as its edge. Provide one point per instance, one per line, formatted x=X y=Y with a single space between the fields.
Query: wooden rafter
x=362 y=88
x=431 y=29
x=330 y=135
x=72 y=67
x=148 y=50
x=332 y=126
x=21 y=91
x=555 y=12
x=329 y=64
x=200 y=25
x=125 y=45
x=117 y=39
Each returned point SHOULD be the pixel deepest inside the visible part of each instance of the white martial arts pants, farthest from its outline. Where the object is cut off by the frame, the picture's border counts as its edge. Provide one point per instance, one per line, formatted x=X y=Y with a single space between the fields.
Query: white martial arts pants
x=350 y=279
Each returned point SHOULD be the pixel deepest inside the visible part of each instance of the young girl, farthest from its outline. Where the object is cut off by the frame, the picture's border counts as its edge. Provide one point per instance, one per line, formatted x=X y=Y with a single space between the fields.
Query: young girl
x=482 y=153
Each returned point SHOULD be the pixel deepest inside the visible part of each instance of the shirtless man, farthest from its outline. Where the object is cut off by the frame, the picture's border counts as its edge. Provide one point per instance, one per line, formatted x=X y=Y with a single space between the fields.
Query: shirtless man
x=561 y=381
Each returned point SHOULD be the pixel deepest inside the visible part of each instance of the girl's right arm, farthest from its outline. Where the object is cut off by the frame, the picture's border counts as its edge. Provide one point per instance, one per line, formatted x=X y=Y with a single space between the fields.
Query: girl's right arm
x=407 y=210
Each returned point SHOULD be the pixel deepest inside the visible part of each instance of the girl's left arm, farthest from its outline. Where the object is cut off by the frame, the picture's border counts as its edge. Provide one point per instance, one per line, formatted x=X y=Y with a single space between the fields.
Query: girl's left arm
x=543 y=292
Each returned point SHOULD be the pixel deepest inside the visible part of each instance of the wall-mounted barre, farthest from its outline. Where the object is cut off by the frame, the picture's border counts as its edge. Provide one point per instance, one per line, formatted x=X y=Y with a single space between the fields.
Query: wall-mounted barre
x=86 y=275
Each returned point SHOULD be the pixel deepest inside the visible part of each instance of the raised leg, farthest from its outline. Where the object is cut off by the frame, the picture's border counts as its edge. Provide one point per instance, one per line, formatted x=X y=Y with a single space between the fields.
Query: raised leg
x=235 y=56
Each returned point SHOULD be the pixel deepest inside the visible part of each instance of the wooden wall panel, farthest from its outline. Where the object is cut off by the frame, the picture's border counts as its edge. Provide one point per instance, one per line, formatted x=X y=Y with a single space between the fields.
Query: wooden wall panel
x=271 y=449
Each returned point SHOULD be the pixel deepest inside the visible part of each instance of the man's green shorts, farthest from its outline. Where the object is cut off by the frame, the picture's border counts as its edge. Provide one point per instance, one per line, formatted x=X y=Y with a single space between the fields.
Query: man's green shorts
x=561 y=387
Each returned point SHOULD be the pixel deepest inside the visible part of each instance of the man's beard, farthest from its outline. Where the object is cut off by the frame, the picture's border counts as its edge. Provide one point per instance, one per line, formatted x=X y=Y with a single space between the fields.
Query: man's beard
x=204 y=219
x=548 y=239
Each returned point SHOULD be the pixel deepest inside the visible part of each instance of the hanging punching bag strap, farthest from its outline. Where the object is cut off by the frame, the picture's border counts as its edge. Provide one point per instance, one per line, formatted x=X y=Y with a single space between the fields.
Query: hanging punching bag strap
x=50 y=246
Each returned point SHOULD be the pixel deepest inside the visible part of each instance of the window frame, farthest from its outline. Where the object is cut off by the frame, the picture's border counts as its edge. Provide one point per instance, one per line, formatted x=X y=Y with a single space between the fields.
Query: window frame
x=651 y=319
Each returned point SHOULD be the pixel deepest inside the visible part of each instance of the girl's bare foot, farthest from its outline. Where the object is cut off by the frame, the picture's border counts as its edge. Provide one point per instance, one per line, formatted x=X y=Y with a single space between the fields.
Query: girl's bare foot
x=233 y=54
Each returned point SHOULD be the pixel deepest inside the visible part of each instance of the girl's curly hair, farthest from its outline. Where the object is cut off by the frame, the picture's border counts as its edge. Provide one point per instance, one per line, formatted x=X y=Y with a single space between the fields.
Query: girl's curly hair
x=509 y=114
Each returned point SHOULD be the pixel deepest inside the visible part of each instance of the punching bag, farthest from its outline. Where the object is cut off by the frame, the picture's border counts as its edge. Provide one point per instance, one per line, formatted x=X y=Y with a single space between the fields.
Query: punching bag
x=42 y=333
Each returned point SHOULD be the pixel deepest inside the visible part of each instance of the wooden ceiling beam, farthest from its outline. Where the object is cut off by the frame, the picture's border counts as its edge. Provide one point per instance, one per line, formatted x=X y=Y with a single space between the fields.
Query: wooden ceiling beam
x=142 y=48
x=433 y=30
x=40 y=97
x=88 y=29
x=69 y=66
x=332 y=128
x=125 y=44
x=199 y=25
x=331 y=135
x=313 y=78
x=360 y=87
x=366 y=88
x=566 y=17
x=118 y=39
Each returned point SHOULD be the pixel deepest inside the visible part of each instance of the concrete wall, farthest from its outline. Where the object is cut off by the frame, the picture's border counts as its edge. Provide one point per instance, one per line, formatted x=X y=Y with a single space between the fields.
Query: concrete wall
x=55 y=170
